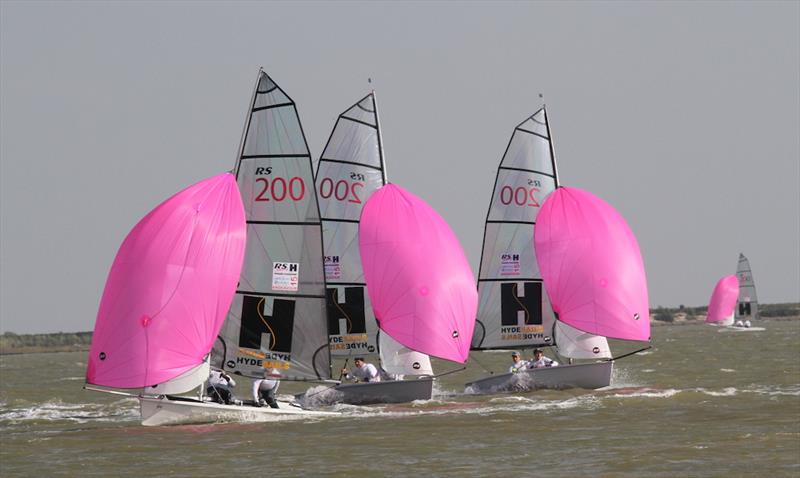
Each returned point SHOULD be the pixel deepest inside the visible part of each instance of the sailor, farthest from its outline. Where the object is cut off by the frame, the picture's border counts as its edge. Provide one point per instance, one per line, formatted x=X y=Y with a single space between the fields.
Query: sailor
x=539 y=360
x=363 y=371
x=220 y=387
x=264 y=389
x=518 y=364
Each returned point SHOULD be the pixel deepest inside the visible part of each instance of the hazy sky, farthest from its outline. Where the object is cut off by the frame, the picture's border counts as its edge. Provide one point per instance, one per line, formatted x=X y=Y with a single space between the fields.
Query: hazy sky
x=684 y=116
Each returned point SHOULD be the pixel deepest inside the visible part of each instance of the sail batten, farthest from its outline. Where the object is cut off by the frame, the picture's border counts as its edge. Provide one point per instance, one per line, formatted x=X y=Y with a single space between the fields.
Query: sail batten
x=277 y=319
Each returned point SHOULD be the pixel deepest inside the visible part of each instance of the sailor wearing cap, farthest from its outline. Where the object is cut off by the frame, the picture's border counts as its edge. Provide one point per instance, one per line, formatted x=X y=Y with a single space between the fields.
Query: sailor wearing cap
x=264 y=389
x=518 y=364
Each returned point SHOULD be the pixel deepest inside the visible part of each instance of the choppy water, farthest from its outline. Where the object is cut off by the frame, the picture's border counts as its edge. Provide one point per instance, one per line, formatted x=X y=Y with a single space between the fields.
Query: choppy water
x=703 y=402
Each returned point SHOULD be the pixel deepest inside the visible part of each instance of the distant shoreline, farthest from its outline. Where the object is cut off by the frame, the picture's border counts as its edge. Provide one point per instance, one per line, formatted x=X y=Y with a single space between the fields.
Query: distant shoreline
x=17 y=344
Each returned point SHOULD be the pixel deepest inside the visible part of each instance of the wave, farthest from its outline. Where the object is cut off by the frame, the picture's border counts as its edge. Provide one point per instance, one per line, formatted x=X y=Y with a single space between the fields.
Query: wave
x=56 y=410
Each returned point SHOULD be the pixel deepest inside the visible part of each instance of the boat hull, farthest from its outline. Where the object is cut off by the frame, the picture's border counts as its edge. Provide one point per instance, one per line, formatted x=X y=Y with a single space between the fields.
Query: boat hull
x=370 y=393
x=589 y=376
x=166 y=411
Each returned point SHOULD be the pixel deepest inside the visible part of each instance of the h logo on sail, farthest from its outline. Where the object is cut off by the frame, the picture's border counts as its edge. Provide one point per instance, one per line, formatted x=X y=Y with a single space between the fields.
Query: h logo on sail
x=346 y=317
x=264 y=332
x=521 y=310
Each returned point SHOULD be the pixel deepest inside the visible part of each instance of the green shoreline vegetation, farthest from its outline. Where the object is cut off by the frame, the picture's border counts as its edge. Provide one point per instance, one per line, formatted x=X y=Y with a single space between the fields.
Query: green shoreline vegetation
x=11 y=343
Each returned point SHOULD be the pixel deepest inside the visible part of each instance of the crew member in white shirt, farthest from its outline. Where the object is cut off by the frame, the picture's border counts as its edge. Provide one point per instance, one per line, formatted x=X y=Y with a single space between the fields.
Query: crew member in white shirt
x=539 y=360
x=264 y=389
x=220 y=387
x=363 y=371
x=518 y=364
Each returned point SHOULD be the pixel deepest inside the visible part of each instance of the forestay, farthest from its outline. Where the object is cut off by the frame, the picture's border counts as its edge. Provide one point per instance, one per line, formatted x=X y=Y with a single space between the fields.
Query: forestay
x=723 y=301
x=169 y=289
x=513 y=309
x=350 y=169
x=747 y=306
x=278 y=318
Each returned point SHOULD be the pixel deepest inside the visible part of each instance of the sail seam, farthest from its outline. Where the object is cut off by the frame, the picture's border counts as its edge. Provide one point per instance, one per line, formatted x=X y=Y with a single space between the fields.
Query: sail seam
x=285 y=223
x=533 y=133
x=515 y=279
x=359 y=121
x=509 y=222
x=527 y=171
x=267 y=156
x=351 y=162
x=354 y=221
x=276 y=294
x=277 y=105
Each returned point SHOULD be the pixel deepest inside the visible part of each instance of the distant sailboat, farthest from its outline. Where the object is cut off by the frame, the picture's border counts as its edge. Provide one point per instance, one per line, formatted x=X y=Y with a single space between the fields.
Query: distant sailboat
x=747 y=306
x=514 y=311
x=351 y=169
x=723 y=301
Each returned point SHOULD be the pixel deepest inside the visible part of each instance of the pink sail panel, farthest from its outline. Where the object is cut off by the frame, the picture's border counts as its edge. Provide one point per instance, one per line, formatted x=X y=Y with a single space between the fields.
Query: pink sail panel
x=419 y=281
x=723 y=301
x=591 y=266
x=170 y=287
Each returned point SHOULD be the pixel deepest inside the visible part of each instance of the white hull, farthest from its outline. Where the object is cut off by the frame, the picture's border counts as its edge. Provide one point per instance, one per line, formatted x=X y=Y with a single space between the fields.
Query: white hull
x=164 y=411
x=589 y=376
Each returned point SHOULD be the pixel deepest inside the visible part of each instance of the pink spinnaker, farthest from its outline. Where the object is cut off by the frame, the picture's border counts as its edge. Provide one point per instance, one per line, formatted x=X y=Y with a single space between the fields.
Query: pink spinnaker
x=419 y=281
x=723 y=300
x=170 y=287
x=591 y=266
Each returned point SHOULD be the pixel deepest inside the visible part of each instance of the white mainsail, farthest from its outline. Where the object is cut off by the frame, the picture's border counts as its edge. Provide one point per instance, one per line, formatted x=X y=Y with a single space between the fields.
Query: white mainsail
x=278 y=317
x=350 y=170
x=514 y=310
x=747 y=306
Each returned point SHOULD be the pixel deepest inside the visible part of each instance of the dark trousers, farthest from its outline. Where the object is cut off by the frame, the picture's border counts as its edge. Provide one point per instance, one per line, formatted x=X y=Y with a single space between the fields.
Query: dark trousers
x=269 y=397
x=220 y=395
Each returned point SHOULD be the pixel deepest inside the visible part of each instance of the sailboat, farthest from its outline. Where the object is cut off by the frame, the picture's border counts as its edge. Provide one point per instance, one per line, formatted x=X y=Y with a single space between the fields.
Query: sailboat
x=351 y=169
x=277 y=318
x=723 y=301
x=515 y=310
x=747 y=306
x=165 y=300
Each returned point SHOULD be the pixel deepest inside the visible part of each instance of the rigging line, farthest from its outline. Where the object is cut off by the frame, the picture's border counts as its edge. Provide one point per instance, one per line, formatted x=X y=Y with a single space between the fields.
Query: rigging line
x=272 y=335
x=484 y=367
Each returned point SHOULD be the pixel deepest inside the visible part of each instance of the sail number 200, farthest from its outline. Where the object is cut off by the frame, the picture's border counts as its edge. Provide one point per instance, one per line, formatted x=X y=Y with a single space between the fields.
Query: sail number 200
x=278 y=189
x=521 y=196
x=342 y=190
